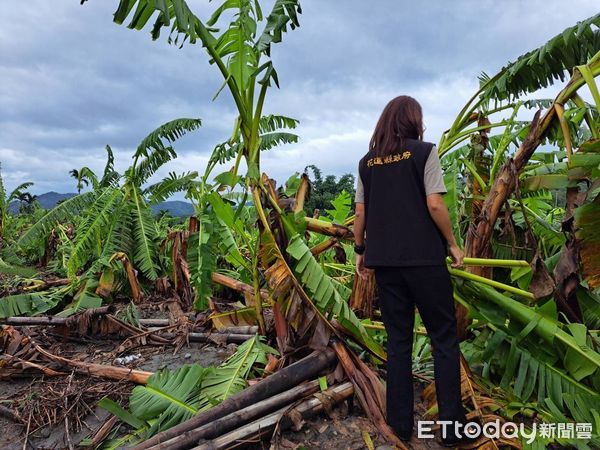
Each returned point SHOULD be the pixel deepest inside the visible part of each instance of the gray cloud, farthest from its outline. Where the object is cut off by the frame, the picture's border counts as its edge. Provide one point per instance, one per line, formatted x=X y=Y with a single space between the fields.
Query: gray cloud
x=71 y=81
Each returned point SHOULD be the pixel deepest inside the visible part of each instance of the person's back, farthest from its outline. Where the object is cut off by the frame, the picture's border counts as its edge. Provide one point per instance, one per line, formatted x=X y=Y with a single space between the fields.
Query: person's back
x=400 y=230
x=399 y=206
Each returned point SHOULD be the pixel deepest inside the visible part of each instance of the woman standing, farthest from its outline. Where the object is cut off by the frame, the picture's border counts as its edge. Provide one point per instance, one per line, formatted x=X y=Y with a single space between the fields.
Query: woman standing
x=403 y=231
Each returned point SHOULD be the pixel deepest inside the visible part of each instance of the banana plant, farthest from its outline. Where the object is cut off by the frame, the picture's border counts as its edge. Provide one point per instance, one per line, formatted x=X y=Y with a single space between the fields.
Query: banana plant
x=5 y=202
x=530 y=72
x=30 y=304
x=490 y=184
x=115 y=216
x=221 y=229
x=550 y=367
x=242 y=55
x=534 y=70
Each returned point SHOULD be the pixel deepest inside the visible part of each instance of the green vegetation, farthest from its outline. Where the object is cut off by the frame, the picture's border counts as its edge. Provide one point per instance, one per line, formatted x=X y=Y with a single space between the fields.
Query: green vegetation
x=326 y=190
x=519 y=190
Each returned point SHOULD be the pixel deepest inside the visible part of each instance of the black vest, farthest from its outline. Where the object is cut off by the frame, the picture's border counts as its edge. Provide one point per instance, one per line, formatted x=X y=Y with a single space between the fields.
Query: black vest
x=399 y=228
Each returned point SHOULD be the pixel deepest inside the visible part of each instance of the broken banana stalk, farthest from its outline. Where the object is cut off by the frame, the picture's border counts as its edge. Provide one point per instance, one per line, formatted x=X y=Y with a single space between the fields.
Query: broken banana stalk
x=261 y=427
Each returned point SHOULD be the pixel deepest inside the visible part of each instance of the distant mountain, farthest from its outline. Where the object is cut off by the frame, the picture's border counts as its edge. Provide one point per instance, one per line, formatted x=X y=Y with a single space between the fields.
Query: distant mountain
x=176 y=208
x=49 y=200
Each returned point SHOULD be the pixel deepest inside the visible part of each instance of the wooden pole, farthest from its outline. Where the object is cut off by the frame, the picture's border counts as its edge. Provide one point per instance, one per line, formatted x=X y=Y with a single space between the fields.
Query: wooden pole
x=282 y=380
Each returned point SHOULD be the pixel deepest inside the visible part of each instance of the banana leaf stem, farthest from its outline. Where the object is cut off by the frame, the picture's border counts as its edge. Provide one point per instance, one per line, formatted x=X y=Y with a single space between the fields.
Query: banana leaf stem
x=493 y=262
x=493 y=283
x=461 y=301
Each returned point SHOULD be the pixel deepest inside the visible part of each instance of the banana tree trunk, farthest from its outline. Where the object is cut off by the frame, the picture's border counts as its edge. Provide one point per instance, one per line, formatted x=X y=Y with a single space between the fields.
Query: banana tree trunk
x=329 y=229
x=364 y=292
x=566 y=272
x=480 y=231
x=280 y=418
x=479 y=143
x=185 y=434
x=236 y=285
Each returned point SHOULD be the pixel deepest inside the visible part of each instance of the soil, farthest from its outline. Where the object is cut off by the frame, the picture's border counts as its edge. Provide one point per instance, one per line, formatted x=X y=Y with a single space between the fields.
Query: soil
x=41 y=401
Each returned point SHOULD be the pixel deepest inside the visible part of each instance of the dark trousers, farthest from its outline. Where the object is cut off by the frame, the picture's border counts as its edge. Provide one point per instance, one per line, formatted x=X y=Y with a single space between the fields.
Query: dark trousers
x=430 y=289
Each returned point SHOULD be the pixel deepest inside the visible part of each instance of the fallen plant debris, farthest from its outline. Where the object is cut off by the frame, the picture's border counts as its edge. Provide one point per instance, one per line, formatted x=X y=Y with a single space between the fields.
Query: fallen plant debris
x=240 y=325
x=70 y=397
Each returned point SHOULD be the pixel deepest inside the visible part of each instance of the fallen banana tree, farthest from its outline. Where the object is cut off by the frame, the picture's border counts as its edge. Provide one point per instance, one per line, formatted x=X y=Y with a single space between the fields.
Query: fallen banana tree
x=280 y=418
x=97 y=370
x=255 y=231
x=255 y=411
x=186 y=434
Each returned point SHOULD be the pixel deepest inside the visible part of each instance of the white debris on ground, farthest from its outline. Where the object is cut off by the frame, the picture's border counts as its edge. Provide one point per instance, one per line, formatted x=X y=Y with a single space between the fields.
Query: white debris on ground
x=124 y=360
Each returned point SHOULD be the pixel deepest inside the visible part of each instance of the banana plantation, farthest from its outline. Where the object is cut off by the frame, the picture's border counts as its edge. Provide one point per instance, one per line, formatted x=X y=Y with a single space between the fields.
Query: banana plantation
x=256 y=294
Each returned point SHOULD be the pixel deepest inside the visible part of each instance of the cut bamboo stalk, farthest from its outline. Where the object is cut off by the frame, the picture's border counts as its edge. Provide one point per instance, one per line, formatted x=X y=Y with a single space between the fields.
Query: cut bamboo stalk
x=265 y=425
x=306 y=369
x=253 y=412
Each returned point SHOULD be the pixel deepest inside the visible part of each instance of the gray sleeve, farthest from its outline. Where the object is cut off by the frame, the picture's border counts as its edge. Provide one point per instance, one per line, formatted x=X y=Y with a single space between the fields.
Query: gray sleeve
x=434 y=178
x=359 y=197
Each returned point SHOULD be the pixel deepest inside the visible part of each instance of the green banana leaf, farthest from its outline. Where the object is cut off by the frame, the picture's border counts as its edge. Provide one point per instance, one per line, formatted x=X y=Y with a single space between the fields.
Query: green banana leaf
x=324 y=294
x=579 y=359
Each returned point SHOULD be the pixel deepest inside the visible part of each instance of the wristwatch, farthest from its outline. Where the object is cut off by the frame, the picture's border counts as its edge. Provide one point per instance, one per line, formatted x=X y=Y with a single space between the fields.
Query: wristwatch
x=359 y=249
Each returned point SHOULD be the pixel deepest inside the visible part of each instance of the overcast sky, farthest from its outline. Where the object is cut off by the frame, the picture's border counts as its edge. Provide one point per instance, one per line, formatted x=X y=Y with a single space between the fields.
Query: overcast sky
x=72 y=81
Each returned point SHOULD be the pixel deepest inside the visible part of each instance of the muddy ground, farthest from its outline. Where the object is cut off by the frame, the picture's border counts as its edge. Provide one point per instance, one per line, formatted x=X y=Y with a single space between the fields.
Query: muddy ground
x=40 y=402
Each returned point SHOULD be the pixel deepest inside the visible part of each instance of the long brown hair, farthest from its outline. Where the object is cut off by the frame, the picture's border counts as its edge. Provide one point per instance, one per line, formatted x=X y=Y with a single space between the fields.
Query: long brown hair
x=402 y=118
